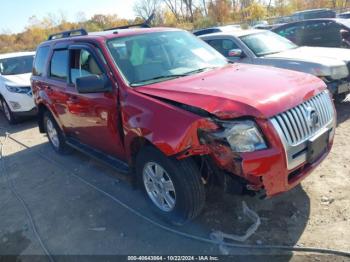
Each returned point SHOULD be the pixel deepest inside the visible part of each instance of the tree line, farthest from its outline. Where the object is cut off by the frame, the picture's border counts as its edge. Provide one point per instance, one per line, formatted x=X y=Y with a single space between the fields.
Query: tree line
x=187 y=14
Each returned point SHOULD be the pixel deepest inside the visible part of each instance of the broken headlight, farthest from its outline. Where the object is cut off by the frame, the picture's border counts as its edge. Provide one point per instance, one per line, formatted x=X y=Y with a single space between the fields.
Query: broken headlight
x=241 y=136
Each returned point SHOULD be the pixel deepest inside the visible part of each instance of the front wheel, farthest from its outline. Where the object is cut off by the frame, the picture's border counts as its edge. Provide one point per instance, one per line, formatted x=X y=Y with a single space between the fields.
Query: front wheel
x=54 y=134
x=8 y=113
x=174 y=188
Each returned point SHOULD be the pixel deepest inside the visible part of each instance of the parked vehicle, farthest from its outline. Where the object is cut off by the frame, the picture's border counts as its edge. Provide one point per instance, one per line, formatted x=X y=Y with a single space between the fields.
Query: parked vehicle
x=306 y=15
x=216 y=29
x=312 y=14
x=267 y=48
x=166 y=109
x=267 y=27
x=16 y=98
x=345 y=15
x=317 y=32
x=257 y=24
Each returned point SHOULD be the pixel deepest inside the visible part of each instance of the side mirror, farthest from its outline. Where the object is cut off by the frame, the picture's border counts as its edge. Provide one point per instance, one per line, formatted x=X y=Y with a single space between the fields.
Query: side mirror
x=93 y=84
x=235 y=53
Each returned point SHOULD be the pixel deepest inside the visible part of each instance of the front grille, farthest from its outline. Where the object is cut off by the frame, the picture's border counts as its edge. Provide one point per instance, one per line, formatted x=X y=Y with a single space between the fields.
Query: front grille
x=296 y=125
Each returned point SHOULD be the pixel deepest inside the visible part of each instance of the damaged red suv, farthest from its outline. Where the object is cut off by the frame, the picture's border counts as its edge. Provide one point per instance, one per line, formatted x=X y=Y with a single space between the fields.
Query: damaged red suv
x=166 y=109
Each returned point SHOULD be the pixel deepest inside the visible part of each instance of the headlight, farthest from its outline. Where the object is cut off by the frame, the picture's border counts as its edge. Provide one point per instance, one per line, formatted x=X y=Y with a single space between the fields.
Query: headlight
x=19 y=89
x=241 y=136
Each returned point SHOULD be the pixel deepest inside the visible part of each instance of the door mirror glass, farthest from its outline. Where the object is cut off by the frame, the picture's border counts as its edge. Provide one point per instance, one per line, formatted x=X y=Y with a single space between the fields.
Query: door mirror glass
x=93 y=84
x=235 y=53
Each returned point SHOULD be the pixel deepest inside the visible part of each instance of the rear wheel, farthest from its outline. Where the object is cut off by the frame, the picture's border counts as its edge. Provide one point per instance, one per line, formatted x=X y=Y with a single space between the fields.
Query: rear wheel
x=174 y=188
x=7 y=112
x=54 y=134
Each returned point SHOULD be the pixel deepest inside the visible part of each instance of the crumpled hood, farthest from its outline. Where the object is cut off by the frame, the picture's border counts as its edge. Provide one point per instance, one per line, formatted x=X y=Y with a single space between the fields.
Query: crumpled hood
x=323 y=55
x=239 y=90
x=17 y=80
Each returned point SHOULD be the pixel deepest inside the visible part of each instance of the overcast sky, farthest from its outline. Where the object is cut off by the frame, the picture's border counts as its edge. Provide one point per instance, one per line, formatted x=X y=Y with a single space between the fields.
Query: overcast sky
x=14 y=14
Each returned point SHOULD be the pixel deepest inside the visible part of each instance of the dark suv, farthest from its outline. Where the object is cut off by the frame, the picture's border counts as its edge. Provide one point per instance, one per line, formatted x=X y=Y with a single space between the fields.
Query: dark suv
x=327 y=32
x=167 y=110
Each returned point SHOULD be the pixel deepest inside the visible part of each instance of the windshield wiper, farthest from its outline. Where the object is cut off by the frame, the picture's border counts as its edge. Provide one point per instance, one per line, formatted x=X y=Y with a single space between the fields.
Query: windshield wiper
x=162 y=77
x=200 y=70
x=157 y=78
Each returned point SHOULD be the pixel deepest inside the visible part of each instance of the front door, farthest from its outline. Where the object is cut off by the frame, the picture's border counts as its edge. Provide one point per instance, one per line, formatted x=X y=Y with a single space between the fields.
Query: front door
x=93 y=117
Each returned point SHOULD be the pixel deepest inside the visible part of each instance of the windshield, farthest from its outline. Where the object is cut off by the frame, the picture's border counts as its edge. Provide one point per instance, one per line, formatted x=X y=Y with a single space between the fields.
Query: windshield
x=154 y=57
x=16 y=65
x=266 y=43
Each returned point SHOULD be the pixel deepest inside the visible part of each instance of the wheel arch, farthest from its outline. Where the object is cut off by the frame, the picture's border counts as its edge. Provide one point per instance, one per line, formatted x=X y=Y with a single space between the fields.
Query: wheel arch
x=42 y=108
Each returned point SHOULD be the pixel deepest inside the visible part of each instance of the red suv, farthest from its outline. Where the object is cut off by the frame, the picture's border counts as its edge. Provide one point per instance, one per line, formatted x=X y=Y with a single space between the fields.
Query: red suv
x=166 y=109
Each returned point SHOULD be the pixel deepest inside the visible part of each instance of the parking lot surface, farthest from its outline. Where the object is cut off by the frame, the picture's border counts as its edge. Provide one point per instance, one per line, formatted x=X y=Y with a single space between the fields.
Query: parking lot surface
x=81 y=217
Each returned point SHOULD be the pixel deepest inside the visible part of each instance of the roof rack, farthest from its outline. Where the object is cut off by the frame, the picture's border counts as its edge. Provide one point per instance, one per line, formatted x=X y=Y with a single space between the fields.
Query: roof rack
x=70 y=33
x=145 y=24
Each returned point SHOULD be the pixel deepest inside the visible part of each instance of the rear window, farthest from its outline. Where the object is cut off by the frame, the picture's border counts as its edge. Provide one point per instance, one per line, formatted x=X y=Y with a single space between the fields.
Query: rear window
x=40 y=61
x=59 y=64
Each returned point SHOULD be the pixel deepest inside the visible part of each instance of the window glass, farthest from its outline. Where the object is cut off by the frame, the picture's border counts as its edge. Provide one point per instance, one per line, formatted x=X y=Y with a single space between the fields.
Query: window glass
x=266 y=43
x=59 y=64
x=323 y=33
x=223 y=45
x=154 y=57
x=290 y=32
x=16 y=65
x=40 y=61
x=83 y=64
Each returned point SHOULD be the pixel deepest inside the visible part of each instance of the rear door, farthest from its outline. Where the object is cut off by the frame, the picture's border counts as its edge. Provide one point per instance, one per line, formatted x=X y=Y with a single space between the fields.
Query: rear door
x=321 y=33
x=94 y=117
x=56 y=84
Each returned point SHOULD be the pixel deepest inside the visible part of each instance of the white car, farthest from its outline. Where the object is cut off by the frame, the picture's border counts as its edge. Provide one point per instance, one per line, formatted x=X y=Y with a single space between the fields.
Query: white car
x=15 y=91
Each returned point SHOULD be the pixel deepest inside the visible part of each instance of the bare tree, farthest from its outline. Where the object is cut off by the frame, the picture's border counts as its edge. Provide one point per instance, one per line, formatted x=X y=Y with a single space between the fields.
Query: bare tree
x=189 y=9
x=174 y=7
x=205 y=9
x=145 y=8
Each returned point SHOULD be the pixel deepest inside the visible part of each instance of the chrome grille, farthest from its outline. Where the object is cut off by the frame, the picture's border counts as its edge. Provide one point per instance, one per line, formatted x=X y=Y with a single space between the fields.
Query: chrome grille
x=295 y=123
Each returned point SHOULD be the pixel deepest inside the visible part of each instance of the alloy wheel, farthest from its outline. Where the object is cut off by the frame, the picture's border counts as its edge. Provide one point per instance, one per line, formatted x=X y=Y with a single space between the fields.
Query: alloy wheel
x=159 y=186
x=52 y=133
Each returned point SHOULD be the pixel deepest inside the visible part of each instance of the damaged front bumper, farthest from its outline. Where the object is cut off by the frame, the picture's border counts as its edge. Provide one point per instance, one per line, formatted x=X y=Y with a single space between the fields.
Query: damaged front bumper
x=263 y=172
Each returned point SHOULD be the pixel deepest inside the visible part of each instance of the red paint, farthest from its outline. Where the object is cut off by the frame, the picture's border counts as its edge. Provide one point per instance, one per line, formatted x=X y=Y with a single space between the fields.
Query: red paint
x=111 y=122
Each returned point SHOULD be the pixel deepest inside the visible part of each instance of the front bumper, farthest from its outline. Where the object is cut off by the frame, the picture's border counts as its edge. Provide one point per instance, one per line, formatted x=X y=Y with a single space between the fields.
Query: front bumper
x=29 y=113
x=266 y=170
x=296 y=147
x=19 y=103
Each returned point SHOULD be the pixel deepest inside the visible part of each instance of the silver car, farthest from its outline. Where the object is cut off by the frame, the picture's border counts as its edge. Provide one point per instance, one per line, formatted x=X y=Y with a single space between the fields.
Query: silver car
x=263 y=47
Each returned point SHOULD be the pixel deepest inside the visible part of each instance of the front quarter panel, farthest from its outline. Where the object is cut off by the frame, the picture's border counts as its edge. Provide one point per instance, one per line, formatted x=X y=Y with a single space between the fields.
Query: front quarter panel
x=171 y=129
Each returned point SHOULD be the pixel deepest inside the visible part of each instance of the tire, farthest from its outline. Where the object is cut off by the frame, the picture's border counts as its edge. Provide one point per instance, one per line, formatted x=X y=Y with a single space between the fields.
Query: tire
x=340 y=97
x=54 y=134
x=8 y=113
x=187 y=190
